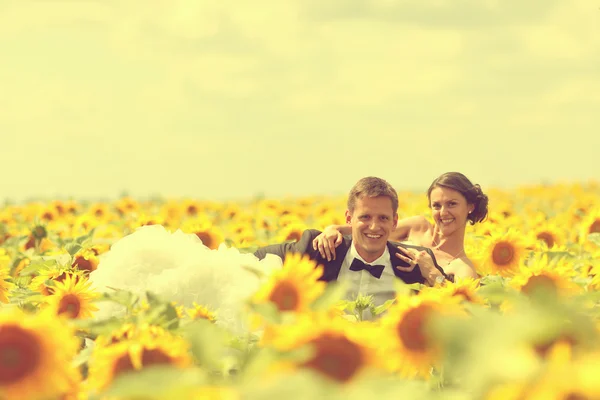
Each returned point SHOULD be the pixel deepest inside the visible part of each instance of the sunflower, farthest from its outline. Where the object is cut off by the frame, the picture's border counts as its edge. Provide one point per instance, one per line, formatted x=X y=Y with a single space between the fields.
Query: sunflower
x=39 y=283
x=209 y=234
x=340 y=350
x=549 y=233
x=589 y=224
x=73 y=298
x=592 y=270
x=148 y=219
x=141 y=351
x=567 y=378
x=502 y=253
x=295 y=286
x=129 y=331
x=5 y=284
x=126 y=205
x=5 y=287
x=291 y=232
x=201 y=312
x=463 y=288
x=555 y=274
x=410 y=348
x=85 y=260
x=35 y=355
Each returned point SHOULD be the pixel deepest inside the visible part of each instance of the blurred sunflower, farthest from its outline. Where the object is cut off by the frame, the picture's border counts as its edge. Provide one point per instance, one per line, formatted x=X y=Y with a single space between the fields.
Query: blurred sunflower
x=567 y=378
x=129 y=331
x=291 y=232
x=589 y=224
x=340 y=350
x=464 y=288
x=85 y=260
x=6 y=286
x=410 y=348
x=295 y=286
x=592 y=270
x=141 y=351
x=126 y=205
x=35 y=355
x=201 y=312
x=210 y=235
x=73 y=298
x=502 y=253
x=554 y=274
x=39 y=283
x=549 y=233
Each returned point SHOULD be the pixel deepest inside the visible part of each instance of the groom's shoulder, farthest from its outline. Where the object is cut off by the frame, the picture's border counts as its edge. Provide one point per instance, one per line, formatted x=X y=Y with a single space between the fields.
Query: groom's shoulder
x=302 y=245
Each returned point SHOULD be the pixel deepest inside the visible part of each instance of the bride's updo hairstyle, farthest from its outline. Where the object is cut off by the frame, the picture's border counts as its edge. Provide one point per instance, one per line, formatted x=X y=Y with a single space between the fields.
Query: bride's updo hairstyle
x=471 y=192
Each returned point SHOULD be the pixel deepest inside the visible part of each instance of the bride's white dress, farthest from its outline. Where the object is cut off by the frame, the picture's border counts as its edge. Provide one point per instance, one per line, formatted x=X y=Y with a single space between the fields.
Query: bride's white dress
x=178 y=267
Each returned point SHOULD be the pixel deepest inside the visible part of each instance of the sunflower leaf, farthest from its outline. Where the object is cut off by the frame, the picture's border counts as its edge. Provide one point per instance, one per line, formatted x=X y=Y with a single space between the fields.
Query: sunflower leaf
x=207 y=342
x=37 y=264
x=120 y=296
x=594 y=238
x=72 y=248
x=268 y=311
x=156 y=382
x=333 y=293
x=383 y=307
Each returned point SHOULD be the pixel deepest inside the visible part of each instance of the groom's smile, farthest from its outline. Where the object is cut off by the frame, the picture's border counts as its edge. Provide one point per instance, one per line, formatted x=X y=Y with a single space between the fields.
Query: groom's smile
x=372 y=220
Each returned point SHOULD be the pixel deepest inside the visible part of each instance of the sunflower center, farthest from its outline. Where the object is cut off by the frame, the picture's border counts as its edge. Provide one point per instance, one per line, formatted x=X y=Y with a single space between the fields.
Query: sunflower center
x=149 y=358
x=537 y=282
x=206 y=238
x=542 y=349
x=336 y=357
x=47 y=216
x=503 y=253
x=30 y=243
x=69 y=305
x=411 y=329
x=19 y=354
x=546 y=237
x=575 y=396
x=285 y=296
x=595 y=227
x=464 y=293
x=83 y=265
x=192 y=210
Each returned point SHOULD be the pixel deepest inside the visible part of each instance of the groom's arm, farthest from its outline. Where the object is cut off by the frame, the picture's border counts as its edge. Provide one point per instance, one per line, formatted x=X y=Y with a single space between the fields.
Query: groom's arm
x=304 y=246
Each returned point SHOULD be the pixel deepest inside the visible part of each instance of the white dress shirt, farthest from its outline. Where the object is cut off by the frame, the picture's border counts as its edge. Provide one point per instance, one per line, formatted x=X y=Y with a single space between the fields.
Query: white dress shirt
x=363 y=282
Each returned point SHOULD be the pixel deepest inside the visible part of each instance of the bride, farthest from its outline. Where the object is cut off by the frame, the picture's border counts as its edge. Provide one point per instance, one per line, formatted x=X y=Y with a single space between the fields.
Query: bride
x=177 y=267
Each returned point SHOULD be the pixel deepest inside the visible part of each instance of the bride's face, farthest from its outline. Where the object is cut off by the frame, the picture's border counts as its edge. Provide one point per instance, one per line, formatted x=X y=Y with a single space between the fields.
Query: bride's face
x=450 y=209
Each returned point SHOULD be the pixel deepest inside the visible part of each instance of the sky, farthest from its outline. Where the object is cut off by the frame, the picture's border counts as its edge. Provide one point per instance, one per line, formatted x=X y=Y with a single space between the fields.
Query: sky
x=222 y=99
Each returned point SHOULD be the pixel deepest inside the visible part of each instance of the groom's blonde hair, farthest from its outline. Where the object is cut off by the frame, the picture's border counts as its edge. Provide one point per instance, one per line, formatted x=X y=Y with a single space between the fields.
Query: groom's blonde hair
x=372 y=186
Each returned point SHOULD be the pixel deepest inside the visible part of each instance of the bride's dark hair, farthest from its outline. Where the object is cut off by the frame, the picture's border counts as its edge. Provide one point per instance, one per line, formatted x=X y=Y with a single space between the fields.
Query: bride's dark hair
x=472 y=192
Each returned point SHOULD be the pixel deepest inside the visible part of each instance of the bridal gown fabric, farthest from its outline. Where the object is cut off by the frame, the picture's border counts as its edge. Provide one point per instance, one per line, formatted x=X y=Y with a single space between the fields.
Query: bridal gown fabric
x=178 y=267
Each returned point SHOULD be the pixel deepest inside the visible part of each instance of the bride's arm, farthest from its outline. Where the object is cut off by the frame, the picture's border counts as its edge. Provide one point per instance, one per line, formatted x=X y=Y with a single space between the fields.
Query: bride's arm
x=461 y=269
x=407 y=227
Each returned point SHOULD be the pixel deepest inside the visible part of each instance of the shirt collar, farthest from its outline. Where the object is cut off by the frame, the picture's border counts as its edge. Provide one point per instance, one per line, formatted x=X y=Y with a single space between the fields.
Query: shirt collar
x=382 y=260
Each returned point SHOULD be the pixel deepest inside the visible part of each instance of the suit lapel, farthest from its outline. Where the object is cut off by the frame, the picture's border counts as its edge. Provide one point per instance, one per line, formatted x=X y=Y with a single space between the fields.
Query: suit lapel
x=332 y=268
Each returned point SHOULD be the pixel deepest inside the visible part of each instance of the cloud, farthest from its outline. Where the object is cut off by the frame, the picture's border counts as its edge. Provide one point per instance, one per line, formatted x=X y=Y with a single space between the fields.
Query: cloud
x=436 y=14
x=225 y=98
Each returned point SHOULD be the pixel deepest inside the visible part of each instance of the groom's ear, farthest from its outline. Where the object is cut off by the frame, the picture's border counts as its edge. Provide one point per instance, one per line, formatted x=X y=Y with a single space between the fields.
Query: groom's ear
x=395 y=225
x=348 y=216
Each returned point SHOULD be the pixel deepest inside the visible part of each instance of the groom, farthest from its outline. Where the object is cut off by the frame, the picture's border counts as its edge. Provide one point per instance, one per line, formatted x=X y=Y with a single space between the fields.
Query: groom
x=366 y=260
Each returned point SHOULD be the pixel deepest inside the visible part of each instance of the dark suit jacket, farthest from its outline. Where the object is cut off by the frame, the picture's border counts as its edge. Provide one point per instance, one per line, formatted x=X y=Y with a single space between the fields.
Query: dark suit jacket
x=332 y=268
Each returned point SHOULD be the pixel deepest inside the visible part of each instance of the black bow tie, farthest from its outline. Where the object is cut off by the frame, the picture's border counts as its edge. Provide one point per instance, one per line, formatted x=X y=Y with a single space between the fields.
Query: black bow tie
x=375 y=270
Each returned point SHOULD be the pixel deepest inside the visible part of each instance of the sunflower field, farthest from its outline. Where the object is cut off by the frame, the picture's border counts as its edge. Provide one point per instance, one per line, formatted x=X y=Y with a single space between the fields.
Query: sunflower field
x=528 y=328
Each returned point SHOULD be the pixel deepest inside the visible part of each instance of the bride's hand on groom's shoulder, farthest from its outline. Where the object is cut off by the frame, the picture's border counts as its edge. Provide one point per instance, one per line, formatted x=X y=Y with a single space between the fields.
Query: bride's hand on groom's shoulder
x=327 y=241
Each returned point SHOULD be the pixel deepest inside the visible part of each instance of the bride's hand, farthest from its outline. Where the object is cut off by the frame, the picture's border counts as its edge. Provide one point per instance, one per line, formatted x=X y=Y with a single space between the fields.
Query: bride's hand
x=327 y=241
x=420 y=258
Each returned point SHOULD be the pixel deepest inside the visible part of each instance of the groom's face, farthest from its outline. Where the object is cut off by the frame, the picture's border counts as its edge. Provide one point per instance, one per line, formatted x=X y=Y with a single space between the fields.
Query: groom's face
x=372 y=220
